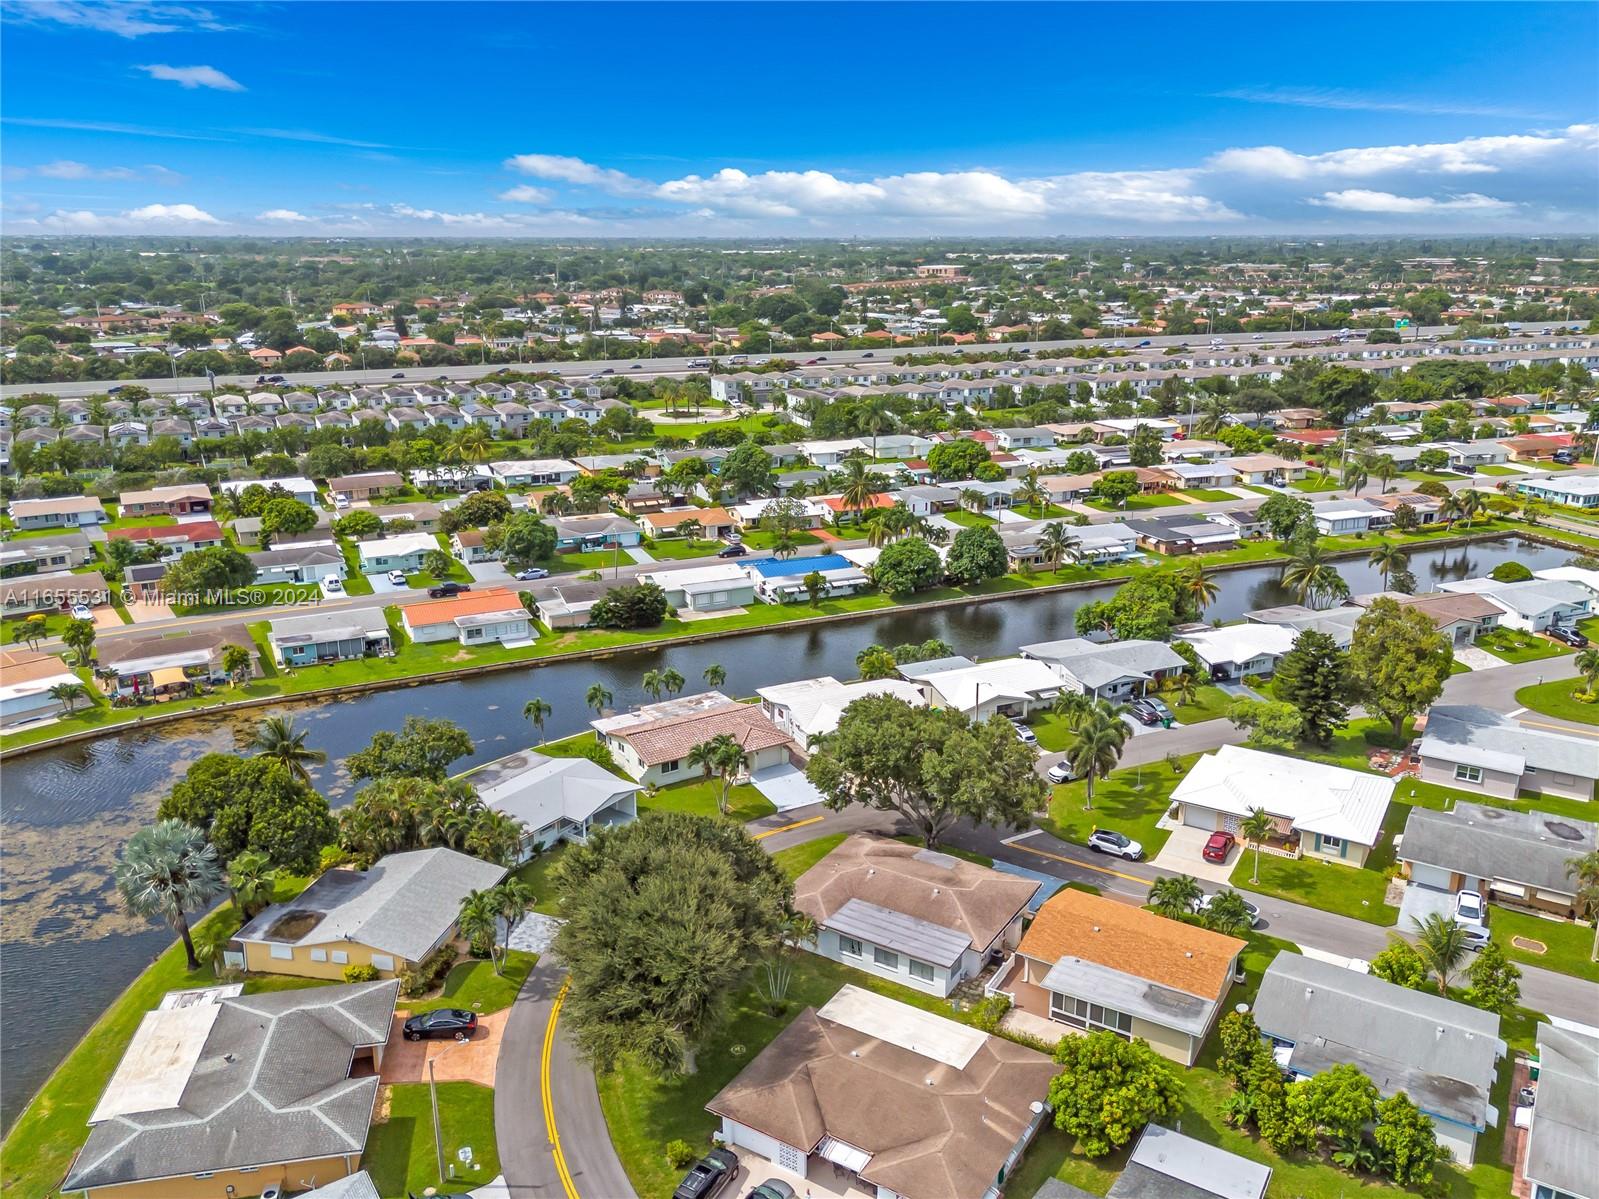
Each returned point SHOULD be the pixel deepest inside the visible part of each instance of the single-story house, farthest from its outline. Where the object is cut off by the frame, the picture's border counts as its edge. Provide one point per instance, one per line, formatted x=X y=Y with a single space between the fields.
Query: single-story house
x=26 y=678
x=831 y=453
x=1581 y=575
x=1179 y=533
x=712 y=523
x=26 y=594
x=812 y=707
x=1093 y=963
x=1338 y=517
x=905 y=1103
x=174 y=539
x=782 y=581
x=1580 y=491
x=53 y=552
x=1171 y=1165
x=1561 y=1149
x=1462 y=618
x=1477 y=749
x=923 y=919
x=1441 y=1053
x=392 y=917
x=1236 y=650
x=926 y=500
x=1200 y=474
x=468 y=545
x=652 y=744
x=1009 y=686
x=422 y=513
x=1338 y=623
x=368 y=485
x=1318 y=810
x=1110 y=669
x=297 y=486
x=309 y=563
x=809 y=515
x=534 y=472
x=556 y=799
x=1267 y=469
x=1532 y=605
x=222 y=1094
x=401 y=551
x=149 y=664
x=183 y=499
x=1516 y=858
x=713 y=588
x=452 y=478
x=594 y=532
x=490 y=617
x=566 y=604
x=68 y=511
x=331 y=636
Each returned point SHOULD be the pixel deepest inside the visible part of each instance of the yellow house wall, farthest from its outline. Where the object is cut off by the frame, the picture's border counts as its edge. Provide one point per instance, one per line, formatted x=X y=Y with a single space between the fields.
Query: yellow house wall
x=1168 y=1042
x=258 y=959
x=294 y=1175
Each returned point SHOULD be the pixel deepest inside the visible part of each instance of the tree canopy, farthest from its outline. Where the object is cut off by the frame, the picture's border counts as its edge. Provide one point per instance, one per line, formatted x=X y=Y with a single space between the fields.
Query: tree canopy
x=423 y=748
x=253 y=804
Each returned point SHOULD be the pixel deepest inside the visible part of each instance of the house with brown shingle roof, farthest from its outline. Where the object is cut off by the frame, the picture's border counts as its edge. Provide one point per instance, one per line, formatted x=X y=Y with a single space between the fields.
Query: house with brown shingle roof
x=923 y=919
x=1092 y=963
x=886 y=1099
x=652 y=744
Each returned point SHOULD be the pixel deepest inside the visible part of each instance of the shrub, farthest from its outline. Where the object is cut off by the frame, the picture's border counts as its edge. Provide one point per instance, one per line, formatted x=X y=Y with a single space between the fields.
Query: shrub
x=360 y=974
x=680 y=1154
x=412 y=984
x=988 y=1012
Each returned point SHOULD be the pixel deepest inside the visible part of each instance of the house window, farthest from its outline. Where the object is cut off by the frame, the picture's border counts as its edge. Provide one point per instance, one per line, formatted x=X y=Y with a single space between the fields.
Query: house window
x=284 y=953
x=849 y=947
x=1332 y=843
x=921 y=970
x=672 y=766
x=382 y=961
x=340 y=957
x=1468 y=774
x=319 y=955
x=886 y=958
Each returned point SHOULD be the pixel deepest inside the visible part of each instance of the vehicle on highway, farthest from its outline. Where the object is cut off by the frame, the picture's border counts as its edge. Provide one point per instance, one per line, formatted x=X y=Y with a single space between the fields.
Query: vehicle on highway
x=82 y=612
x=1202 y=905
x=276 y=379
x=1217 y=847
x=812 y=361
x=1024 y=734
x=1118 y=845
x=772 y=1188
x=448 y=589
x=332 y=585
x=532 y=572
x=454 y=1022
x=637 y=366
x=1150 y=711
x=737 y=550
x=1568 y=636
x=1469 y=908
x=708 y=1176
x=868 y=354
x=1060 y=772
x=1257 y=337
x=699 y=363
x=397 y=577
x=1143 y=344
x=397 y=375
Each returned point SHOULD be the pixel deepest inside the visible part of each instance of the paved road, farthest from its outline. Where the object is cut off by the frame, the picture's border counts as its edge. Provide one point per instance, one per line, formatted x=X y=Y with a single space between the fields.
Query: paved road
x=1496 y=688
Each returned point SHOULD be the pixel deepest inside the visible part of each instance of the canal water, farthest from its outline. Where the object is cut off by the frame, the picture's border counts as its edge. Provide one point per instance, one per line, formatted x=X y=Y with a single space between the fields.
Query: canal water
x=66 y=948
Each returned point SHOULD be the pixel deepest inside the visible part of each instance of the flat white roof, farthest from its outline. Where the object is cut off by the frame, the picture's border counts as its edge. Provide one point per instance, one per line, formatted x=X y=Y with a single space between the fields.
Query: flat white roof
x=907 y=1027
x=1242 y=642
x=159 y=1061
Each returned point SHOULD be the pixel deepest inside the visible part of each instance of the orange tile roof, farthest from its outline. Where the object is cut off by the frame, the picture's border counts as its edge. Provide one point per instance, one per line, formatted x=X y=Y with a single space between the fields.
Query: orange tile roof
x=671 y=737
x=473 y=603
x=836 y=503
x=1122 y=937
x=709 y=517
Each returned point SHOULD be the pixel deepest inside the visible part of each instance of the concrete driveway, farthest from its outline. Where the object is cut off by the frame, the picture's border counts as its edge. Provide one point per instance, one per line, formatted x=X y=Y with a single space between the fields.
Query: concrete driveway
x=1420 y=902
x=490 y=572
x=453 y=1061
x=382 y=586
x=1182 y=853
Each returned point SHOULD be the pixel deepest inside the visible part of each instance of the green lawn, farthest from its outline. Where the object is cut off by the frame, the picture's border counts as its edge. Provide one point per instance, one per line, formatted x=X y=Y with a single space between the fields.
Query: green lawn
x=261 y=595
x=55 y=624
x=355 y=583
x=765 y=539
x=797 y=859
x=1138 y=503
x=136 y=522
x=400 y=1153
x=1559 y=698
x=474 y=985
x=744 y=802
x=1330 y=886
x=536 y=874
x=584 y=560
x=1569 y=946
x=1317 y=483
x=1209 y=703
x=669 y=548
x=1129 y=801
x=1513 y=645
x=1209 y=495
x=967 y=520
x=47 y=1135
x=1048 y=512
x=1494 y=469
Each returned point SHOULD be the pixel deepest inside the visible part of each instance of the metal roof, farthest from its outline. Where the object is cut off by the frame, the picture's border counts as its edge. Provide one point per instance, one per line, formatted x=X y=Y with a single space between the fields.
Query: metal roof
x=1130 y=994
x=1563 y=1142
x=899 y=931
x=1454 y=732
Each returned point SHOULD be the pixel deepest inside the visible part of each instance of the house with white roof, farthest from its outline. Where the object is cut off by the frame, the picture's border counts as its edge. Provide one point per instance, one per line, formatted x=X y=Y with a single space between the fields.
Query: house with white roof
x=1581 y=491
x=1236 y=650
x=1338 y=517
x=713 y=588
x=534 y=472
x=1007 y=686
x=1580 y=575
x=298 y=487
x=1317 y=810
x=1532 y=605
x=403 y=551
x=556 y=799
x=1108 y=669
x=812 y=707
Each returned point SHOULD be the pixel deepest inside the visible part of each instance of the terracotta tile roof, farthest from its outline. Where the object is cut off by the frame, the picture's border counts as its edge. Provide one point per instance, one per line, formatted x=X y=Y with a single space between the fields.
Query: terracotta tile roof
x=835 y=503
x=671 y=737
x=1117 y=935
x=473 y=603
x=202 y=530
x=709 y=517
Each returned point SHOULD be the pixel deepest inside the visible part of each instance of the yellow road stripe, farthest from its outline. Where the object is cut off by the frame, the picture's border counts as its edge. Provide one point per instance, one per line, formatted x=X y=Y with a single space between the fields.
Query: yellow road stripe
x=546 y=1096
x=1055 y=857
x=786 y=827
x=1559 y=728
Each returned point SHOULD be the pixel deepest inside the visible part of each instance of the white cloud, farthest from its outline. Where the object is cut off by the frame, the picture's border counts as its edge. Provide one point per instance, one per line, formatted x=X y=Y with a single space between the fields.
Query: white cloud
x=136 y=220
x=65 y=168
x=193 y=77
x=176 y=213
x=125 y=18
x=560 y=168
x=308 y=135
x=1469 y=156
x=1360 y=200
x=283 y=215
x=525 y=194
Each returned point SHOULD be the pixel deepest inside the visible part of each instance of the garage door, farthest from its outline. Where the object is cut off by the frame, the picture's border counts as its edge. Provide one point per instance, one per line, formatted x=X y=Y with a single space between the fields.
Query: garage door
x=1197 y=817
x=1432 y=876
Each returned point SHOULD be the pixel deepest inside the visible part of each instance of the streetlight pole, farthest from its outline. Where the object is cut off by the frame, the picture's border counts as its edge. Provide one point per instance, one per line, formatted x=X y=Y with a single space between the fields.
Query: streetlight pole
x=438 y=1136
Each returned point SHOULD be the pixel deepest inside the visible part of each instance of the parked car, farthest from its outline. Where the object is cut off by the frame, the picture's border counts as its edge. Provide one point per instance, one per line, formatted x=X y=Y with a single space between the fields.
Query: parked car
x=1202 y=905
x=737 y=550
x=1118 y=845
x=708 y=1175
x=1024 y=734
x=1566 y=457
x=1060 y=772
x=1218 y=847
x=397 y=577
x=445 y=1022
x=340 y=500
x=772 y=1188
x=82 y=612
x=1150 y=711
x=332 y=585
x=1469 y=907
x=1568 y=636
x=532 y=572
x=1477 y=937
x=447 y=589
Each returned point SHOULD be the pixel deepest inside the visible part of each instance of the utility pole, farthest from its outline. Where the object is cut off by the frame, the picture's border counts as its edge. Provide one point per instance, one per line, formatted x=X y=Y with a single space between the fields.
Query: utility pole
x=438 y=1136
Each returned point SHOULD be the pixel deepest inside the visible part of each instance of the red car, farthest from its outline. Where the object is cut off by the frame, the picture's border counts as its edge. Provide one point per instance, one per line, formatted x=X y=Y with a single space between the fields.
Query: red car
x=1218 y=847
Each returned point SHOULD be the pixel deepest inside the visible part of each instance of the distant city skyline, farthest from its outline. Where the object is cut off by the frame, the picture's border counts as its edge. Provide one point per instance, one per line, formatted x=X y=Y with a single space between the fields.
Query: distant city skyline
x=797 y=120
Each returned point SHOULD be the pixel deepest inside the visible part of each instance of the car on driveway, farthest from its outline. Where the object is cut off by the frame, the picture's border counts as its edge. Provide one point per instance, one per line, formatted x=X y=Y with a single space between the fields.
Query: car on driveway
x=1218 y=847
x=82 y=612
x=1060 y=772
x=453 y=1022
x=332 y=585
x=772 y=1188
x=1118 y=845
x=1469 y=908
x=737 y=550
x=708 y=1176
x=1024 y=734
x=532 y=572
x=1147 y=710
x=447 y=589
x=1202 y=905
x=1568 y=636
x=397 y=577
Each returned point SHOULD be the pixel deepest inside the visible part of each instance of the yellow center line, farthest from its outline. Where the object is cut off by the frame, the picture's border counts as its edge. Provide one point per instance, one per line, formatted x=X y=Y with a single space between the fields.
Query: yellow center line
x=786 y=827
x=1559 y=728
x=546 y=1095
x=1055 y=857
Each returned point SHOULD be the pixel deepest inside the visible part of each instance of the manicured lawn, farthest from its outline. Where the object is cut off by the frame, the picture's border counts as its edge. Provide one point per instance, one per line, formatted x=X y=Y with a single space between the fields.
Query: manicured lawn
x=1209 y=703
x=797 y=859
x=536 y=874
x=967 y=520
x=45 y=1137
x=1330 y=886
x=1209 y=495
x=258 y=596
x=55 y=623
x=765 y=539
x=1317 y=483
x=1514 y=645
x=1137 y=503
x=665 y=548
x=744 y=802
x=581 y=560
x=137 y=522
x=474 y=985
x=1559 y=698
x=400 y=1153
x=1569 y=946
x=1049 y=512
x=355 y=583
x=1050 y=729
x=1493 y=469
x=1129 y=801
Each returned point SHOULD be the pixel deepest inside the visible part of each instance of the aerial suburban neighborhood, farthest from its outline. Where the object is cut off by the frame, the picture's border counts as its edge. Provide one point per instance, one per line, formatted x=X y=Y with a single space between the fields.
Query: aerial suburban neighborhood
x=543 y=659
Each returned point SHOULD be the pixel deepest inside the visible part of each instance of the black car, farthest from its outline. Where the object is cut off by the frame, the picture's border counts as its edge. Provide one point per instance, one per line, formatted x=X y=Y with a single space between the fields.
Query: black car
x=397 y=375
x=1566 y=457
x=444 y=589
x=276 y=379
x=737 y=550
x=1151 y=712
x=446 y=1022
x=708 y=1175
x=1568 y=636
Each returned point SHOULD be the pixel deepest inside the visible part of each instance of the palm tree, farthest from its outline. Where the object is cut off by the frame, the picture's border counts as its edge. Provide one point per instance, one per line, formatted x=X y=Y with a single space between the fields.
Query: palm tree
x=1198 y=585
x=538 y=712
x=68 y=695
x=1311 y=576
x=1226 y=913
x=278 y=738
x=1451 y=509
x=1471 y=505
x=473 y=442
x=1058 y=544
x=1384 y=469
x=1585 y=870
x=653 y=683
x=1356 y=475
x=1587 y=663
x=1031 y=492
x=691 y=528
x=672 y=680
x=168 y=870
x=1255 y=828
x=1441 y=942
x=1388 y=557
x=1533 y=509
x=513 y=899
x=598 y=698
x=714 y=675
x=971 y=498
x=1096 y=745
x=879 y=532
x=1174 y=895
x=252 y=880
x=860 y=485
x=1212 y=416
x=721 y=756
x=874 y=416
x=478 y=922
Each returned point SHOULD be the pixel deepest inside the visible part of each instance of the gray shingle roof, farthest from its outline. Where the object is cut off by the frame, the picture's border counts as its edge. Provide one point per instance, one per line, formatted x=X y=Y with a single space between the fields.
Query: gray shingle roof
x=1563 y=1143
x=1479 y=736
x=1094 y=664
x=1531 y=848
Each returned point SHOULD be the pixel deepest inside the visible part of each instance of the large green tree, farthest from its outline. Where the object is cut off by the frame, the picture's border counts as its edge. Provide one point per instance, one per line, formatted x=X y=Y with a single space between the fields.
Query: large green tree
x=1313 y=676
x=424 y=748
x=253 y=804
x=1407 y=1142
x=906 y=566
x=527 y=540
x=167 y=871
x=976 y=554
x=1399 y=661
x=219 y=568
x=1109 y=1088
x=747 y=470
x=663 y=919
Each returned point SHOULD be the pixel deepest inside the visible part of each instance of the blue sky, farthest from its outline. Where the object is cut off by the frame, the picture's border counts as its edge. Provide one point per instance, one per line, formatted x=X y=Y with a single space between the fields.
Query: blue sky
x=739 y=119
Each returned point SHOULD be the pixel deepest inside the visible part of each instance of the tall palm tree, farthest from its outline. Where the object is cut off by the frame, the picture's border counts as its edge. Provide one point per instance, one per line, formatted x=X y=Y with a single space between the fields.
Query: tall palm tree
x=474 y=443
x=1312 y=576
x=278 y=738
x=1585 y=871
x=722 y=757
x=1198 y=586
x=1587 y=664
x=1256 y=827
x=971 y=498
x=859 y=486
x=1388 y=557
x=714 y=675
x=1384 y=469
x=874 y=416
x=168 y=870
x=1451 y=509
x=672 y=680
x=68 y=695
x=598 y=698
x=1356 y=474
x=1031 y=492
x=1441 y=942
x=1471 y=505
x=1212 y=416
x=653 y=683
x=478 y=922
x=538 y=711
x=1174 y=895
x=1096 y=746
x=1058 y=545
x=513 y=899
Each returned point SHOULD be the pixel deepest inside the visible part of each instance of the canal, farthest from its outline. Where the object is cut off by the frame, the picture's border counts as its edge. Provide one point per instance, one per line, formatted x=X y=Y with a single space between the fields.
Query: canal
x=64 y=813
